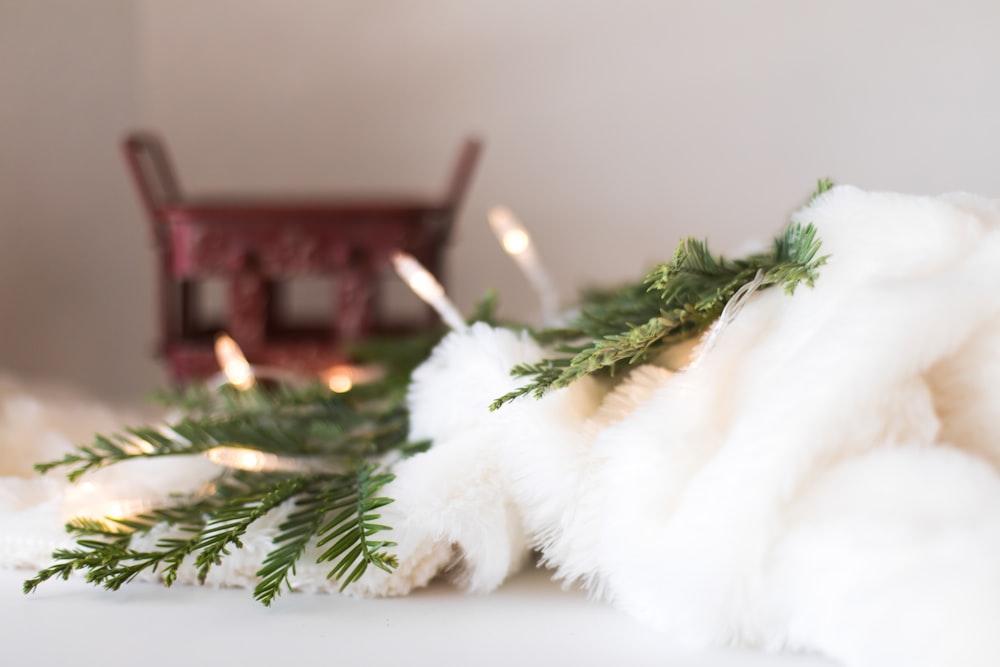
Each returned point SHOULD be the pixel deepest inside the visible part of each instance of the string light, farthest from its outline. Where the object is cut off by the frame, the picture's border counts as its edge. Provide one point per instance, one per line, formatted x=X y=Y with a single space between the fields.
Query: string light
x=252 y=460
x=343 y=377
x=426 y=286
x=240 y=458
x=340 y=383
x=237 y=371
x=90 y=500
x=517 y=243
x=235 y=367
x=729 y=313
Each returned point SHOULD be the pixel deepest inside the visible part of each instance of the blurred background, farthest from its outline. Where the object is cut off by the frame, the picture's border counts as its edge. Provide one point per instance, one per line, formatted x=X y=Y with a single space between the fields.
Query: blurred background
x=612 y=128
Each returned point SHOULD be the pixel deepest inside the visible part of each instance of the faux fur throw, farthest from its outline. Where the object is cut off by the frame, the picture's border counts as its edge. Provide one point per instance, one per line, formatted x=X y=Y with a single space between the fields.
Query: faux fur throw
x=824 y=477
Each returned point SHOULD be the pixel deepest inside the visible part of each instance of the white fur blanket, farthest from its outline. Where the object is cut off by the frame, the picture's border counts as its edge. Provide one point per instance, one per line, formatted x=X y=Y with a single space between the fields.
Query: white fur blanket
x=825 y=478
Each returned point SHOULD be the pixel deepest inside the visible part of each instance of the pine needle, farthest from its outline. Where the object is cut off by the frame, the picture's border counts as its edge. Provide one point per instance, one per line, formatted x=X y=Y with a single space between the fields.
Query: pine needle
x=675 y=301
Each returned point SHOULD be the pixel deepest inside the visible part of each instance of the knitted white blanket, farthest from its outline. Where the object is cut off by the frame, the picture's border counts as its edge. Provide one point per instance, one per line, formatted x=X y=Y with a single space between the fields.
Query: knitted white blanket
x=42 y=423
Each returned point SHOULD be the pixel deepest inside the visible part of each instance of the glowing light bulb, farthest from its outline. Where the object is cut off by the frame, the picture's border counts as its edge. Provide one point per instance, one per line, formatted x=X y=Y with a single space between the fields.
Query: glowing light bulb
x=233 y=363
x=509 y=231
x=340 y=384
x=516 y=242
x=426 y=286
x=249 y=460
x=341 y=378
x=240 y=458
x=244 y=458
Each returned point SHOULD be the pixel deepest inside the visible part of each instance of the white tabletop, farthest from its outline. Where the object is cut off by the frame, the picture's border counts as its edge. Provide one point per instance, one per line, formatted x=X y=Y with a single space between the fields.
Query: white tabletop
x=528 y=621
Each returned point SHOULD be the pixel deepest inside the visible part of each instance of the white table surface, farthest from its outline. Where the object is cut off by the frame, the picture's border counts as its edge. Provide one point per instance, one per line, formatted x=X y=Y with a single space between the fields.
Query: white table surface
x=529 y=621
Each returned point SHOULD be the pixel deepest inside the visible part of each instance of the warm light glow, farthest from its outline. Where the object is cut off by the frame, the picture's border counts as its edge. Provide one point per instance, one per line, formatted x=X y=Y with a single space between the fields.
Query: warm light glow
x=343 y=377
x=511 y=233
x=116 y=510
x=233 y=363
x=244 y=458
x=122 y=509
x=340 y=384
x=91 y=500
x=517 y=243
x=143 y=446
x=250 y=460
x=417 y=277
x=427 y=288
x=241 y=458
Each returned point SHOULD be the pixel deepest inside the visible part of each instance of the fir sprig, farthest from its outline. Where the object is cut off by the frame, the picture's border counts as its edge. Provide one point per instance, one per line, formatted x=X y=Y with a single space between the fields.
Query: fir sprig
x=294 y=536
x=108 y=559
x=335 y=505
x=338 y=507
x=350 y=528
x=309 y=422
x=204 y=525
x=342 y=509
x=230 y=522
x=675 y=301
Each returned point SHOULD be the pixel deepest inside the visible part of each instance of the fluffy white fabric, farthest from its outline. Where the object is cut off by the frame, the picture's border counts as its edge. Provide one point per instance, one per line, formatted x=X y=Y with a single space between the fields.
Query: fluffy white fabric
x=825 y=478
x=462 y=505
x=42 y=423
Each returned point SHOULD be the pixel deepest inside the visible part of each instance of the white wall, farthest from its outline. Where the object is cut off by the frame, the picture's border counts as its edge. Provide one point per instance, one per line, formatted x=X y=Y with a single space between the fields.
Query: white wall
x=612 y=128
x=75 y=290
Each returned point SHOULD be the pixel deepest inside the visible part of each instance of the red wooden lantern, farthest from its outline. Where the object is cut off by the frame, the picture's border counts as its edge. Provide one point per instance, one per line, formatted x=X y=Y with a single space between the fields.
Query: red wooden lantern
x=259 y=246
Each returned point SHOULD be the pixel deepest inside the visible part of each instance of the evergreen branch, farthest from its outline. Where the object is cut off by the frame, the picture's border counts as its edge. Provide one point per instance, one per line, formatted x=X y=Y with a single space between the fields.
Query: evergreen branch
x=229 y=524
x=676 y=301
x=337 y=508
x=90 y=554
x=295 y=534
x=545 y=373
x=310 y=519
x=344 y=431
x=629 y=347
x=85 y=525
x=110 y=561
x=822 y=185
x=102 y=452
x=352 y=524
x=485 y=309
x=328 y=425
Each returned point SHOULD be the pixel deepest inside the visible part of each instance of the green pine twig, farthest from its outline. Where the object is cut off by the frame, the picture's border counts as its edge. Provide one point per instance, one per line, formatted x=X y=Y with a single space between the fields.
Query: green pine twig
x=351 y=526
x=294 y=536
x=678 y=300
x=338 y=501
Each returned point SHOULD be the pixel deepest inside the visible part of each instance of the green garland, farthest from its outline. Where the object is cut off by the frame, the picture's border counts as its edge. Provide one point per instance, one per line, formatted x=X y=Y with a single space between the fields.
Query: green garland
x=335 y=503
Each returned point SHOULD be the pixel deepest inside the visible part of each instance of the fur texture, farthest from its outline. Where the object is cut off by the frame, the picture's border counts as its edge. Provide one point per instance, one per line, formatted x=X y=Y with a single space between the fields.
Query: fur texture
x=824 y=478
